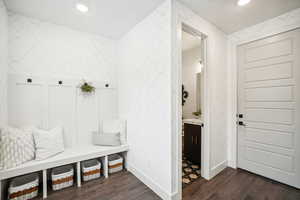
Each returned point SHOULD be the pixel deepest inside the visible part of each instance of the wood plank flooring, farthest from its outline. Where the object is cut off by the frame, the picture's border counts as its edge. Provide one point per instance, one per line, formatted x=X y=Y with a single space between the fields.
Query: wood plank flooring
x=120 y=186
x=228 y=185
x=239 y=185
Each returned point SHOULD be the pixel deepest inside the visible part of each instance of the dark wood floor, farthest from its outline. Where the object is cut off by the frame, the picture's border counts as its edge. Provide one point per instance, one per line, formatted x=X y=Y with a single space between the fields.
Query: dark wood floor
x=239 y=185
x=120 y=186
x=228 y=185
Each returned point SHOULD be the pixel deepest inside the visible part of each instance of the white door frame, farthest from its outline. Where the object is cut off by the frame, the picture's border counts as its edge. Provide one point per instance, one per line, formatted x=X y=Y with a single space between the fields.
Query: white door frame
x=204 y=150
x=234 y=41
x=177 y=111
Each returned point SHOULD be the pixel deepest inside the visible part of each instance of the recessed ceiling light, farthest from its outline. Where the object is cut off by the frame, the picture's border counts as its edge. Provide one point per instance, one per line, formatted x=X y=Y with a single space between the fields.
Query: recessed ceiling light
x=243 y=2
x=82 y=8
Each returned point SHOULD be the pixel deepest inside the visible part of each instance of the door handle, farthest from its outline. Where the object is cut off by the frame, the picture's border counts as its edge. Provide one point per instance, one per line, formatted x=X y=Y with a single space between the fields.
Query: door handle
x=242 y=123
x=192 y=139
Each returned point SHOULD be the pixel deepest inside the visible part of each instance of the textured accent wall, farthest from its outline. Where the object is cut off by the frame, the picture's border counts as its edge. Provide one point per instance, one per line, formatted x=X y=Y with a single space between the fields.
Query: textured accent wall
x=3 y=63
x=145 y=97
x=44 y=49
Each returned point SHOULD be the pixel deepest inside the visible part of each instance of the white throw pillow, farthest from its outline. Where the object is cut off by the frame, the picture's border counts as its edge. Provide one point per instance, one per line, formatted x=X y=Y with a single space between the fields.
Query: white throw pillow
x=106 y=139
x=48 y=143
x=16 y=147
x=115 y=126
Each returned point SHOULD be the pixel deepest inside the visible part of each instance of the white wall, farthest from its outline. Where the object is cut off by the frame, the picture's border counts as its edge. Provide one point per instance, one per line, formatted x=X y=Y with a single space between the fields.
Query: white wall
x=215 y=85
x=48 y=53
x=145 y=98
x=3 y=63
x=190 y=68
x=45 y=49
x=282 y=23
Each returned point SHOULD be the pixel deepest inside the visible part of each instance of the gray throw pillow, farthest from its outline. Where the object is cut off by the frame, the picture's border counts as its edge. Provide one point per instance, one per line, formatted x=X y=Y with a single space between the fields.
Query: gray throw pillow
x=107 y=139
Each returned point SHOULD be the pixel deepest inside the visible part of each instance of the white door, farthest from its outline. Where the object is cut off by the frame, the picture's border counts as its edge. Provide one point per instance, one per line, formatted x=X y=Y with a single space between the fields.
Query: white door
x=269 y=107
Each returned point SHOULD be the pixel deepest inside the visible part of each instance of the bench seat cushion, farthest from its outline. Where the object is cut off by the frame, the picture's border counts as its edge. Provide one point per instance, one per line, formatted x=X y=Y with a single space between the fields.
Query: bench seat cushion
x=70 y=155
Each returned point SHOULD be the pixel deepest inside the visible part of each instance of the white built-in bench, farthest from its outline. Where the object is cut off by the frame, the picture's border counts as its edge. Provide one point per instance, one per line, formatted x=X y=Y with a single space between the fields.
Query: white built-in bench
x=69 y=156
x=78 y=114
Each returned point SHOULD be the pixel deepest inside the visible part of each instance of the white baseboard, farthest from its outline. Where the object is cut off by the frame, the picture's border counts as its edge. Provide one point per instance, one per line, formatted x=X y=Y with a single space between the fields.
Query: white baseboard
x=152 y=185
x=218 y=168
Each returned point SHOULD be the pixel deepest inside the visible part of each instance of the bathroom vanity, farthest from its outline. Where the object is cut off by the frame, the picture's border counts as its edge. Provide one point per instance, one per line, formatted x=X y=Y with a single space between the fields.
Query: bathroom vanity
x=192 y=140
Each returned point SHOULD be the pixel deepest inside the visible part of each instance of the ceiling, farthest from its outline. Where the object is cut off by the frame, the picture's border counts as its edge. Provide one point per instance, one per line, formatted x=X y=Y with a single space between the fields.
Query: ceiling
x=113 y=18
x=109 y=18
x=230 y=18
x=189 y=41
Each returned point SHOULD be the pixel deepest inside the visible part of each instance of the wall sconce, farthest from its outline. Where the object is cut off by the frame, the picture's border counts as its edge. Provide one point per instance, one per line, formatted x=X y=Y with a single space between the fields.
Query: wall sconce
x=199 y=67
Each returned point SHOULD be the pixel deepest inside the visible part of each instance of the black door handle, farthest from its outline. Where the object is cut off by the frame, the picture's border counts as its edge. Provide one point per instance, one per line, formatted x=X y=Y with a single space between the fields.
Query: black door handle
x=242 y=123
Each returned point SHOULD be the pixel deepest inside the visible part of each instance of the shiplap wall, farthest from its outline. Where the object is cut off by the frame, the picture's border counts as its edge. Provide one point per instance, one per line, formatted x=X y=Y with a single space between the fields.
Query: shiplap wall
x=46 y=104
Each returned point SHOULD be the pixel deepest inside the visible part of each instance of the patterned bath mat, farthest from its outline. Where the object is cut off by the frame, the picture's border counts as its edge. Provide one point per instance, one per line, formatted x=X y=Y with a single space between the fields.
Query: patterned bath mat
x=190 y=172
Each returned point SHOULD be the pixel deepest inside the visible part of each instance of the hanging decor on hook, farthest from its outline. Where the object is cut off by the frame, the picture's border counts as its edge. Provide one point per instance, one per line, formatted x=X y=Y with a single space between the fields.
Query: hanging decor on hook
x=185 y=95
x=86 y=87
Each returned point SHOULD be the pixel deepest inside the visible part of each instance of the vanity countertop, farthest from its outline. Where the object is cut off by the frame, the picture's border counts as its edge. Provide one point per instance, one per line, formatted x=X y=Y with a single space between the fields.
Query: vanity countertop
x=193 y=121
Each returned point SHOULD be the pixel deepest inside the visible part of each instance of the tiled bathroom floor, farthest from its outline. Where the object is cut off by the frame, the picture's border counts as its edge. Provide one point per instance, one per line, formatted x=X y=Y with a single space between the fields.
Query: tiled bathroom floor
x=190 y=172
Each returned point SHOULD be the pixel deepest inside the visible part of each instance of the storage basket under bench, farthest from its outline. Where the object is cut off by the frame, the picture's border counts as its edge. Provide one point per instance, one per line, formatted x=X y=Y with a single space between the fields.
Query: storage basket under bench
x=115 y=163
x=62 y=177
x=91 y=169
x=24 y=187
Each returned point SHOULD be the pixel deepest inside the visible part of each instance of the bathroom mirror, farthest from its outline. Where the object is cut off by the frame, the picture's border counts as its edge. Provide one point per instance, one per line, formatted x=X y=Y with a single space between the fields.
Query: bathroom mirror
x=198 y=94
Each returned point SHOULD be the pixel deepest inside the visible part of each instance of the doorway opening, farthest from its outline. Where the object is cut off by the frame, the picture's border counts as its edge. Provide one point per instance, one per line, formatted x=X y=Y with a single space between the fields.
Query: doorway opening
x=193 y=110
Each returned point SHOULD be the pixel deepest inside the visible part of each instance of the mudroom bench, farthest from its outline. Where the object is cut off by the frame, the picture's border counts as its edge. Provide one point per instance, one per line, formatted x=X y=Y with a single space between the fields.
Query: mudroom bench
x=74 y=155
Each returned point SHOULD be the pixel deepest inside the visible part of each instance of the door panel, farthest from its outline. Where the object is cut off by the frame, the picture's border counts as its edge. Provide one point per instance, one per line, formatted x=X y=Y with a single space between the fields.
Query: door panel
x=270 y=72
x=269 y=99
x=284 y=93
x=269 y=50
x=277 y=138
x=267 y=115
x=270 y=159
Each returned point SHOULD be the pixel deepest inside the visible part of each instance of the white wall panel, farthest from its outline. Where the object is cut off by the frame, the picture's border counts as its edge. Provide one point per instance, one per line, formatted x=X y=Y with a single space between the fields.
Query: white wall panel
x=108 y=103
x=87 y=117
x=26 y=102
x=46 y=103
x=61 y=111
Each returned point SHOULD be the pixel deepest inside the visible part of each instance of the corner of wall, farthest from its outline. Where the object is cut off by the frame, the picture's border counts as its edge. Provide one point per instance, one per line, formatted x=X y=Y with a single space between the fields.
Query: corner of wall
x=149 y=182
x=218 y=168
x=3 y=63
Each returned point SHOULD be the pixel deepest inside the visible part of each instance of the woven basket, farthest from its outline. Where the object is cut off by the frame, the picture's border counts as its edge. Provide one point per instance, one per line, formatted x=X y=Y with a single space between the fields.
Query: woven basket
x=91 y=169
x=62 y=177
x=115 y=163
x=24 y=187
